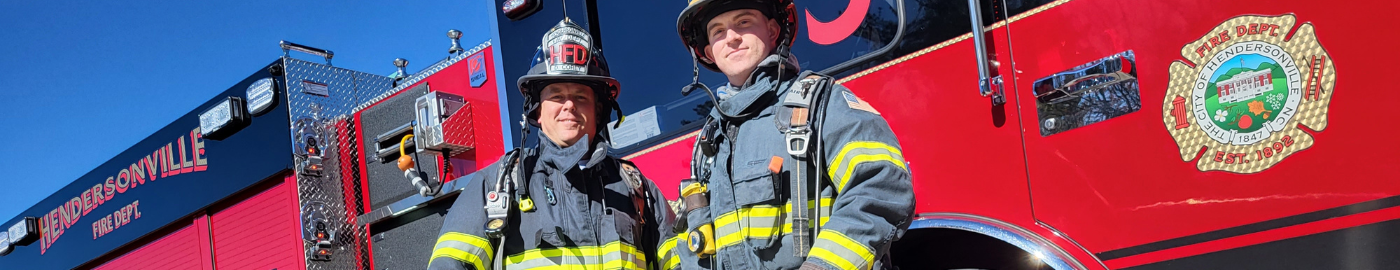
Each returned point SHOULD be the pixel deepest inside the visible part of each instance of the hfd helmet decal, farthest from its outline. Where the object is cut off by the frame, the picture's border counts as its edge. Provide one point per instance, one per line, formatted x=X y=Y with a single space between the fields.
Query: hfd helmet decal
x=1246 y=91
x=568 y=51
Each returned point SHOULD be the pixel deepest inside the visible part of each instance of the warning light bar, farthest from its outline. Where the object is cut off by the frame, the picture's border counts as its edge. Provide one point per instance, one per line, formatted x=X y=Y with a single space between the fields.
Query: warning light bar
x=224 y=119
x=25 y=232
x=5 y=245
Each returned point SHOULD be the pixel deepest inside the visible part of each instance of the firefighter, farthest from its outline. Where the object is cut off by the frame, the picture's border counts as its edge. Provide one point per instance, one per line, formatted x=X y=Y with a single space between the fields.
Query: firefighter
x=565 y=201
x=793 y=171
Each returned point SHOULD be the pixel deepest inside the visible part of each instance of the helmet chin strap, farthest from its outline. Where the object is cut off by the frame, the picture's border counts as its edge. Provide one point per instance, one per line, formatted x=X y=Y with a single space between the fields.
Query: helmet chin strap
x=524 y=123
x=617 y=109
x=695 y=83
x=695 y=80
x=525 y=118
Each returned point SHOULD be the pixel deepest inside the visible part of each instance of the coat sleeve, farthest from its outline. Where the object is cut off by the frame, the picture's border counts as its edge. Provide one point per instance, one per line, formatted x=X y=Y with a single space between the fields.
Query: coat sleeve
x=689 y=221
x=462 y=241
x=661 y=230
x=874 y=194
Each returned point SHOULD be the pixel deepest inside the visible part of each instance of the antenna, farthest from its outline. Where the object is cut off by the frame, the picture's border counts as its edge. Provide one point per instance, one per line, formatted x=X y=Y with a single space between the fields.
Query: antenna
x=564 y=4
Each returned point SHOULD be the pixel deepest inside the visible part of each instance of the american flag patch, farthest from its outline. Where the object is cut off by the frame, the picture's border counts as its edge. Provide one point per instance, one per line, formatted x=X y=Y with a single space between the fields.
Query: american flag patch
x=858 y=104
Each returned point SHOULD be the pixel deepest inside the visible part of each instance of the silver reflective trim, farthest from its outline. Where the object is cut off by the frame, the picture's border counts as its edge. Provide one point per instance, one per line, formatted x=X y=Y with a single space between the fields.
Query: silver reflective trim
x=406 y=205
x=1062 y=235
x=1025 y=240
x=373 y=97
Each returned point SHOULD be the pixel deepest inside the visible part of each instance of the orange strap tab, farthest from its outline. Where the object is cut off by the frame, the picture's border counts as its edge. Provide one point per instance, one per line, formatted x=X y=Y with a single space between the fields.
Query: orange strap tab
x=775 y=165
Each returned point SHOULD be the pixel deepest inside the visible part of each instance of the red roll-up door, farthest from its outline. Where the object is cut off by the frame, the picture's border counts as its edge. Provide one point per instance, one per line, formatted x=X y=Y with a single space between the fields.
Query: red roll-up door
x=177 y=250
x=259 y=232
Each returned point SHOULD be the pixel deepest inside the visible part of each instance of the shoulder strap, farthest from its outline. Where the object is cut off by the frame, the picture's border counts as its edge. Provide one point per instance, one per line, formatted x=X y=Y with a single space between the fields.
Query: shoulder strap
x=498 y=203
x=498 y=197
x=640 y=195
x=641 y=200
x=803 y=94
x=798 y=136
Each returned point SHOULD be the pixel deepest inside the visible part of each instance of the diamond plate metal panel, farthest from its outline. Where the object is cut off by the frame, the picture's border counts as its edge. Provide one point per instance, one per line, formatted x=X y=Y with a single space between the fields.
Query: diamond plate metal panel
x=321 y=99
x=459 y=131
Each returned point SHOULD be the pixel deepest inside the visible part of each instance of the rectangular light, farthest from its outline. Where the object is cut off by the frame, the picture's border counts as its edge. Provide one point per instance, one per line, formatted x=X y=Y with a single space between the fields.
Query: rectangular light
x=5 y=245
x=224 y=119
x=24 y=232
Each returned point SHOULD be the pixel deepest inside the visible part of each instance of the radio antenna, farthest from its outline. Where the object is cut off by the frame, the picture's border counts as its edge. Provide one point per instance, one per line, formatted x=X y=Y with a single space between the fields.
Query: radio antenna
x=564 y=4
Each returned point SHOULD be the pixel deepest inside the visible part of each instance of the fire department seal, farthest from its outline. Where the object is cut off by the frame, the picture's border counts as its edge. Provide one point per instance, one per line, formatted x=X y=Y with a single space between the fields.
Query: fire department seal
x=1246 y=90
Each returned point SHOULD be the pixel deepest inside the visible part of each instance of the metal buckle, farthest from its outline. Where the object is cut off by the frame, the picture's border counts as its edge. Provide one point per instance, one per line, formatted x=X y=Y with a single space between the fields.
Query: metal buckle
x=797 y=139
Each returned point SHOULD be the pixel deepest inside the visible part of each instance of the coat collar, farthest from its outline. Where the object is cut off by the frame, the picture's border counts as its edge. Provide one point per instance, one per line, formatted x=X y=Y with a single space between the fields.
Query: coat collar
x=760 y=89
x=563 y=159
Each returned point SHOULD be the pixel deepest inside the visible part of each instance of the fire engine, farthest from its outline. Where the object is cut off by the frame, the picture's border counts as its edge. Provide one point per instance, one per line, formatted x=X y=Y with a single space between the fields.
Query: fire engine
x=1041 y=134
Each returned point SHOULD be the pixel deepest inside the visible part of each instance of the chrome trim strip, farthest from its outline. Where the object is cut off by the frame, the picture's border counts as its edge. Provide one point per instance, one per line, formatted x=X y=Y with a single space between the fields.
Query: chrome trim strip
x=422 y=74
x=1071 y=241
x=405 y=205
x=1024 y=239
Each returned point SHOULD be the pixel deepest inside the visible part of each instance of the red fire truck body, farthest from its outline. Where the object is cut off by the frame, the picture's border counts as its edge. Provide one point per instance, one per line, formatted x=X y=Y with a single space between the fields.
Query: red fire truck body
x=1051 y=134
x=1123 y=193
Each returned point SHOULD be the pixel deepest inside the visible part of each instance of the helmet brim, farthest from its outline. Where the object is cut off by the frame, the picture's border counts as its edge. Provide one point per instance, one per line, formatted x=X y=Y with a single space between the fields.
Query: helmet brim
x=532 y=84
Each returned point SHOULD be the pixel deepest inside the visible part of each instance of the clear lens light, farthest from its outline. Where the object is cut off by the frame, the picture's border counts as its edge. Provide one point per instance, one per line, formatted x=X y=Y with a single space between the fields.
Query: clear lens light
x=215 y=118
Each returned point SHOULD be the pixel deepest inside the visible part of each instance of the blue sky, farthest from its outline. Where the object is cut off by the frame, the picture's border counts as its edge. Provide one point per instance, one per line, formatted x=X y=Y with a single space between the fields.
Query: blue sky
x=84 y=81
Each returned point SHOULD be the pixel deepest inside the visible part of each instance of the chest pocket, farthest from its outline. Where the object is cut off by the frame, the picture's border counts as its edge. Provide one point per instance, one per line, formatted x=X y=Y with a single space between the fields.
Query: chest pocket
x=627 y=253
x=754 y=184
x=760 y=215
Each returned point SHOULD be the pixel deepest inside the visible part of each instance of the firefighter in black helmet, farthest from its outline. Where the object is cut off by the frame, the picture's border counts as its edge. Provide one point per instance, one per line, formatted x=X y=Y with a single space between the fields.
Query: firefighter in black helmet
x=827 y=188
x=565 y=202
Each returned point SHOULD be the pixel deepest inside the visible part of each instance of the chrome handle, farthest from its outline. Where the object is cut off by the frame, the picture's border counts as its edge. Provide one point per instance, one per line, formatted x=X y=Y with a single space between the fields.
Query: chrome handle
x=988 y=86
x=286 y=46
x=1087 y=77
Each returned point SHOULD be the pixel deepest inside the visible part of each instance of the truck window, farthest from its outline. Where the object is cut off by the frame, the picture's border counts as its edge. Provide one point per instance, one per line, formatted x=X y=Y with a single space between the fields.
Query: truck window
x=645 y=53
x=929 y=22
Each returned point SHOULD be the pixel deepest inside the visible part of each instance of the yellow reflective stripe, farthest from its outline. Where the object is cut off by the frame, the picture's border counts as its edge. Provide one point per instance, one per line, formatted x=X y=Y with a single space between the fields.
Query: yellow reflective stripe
x=477 y=250
x=669 y=260
x=841 y=251
x=826 y=204
x=729 y=231
x=635 y=261
x=855 y=153
x=846 y=176
x=609 y=256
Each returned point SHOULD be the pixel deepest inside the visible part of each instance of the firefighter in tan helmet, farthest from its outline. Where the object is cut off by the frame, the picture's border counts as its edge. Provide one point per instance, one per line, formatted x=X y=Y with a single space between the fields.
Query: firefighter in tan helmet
x=825 y=188
x=564 y=203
